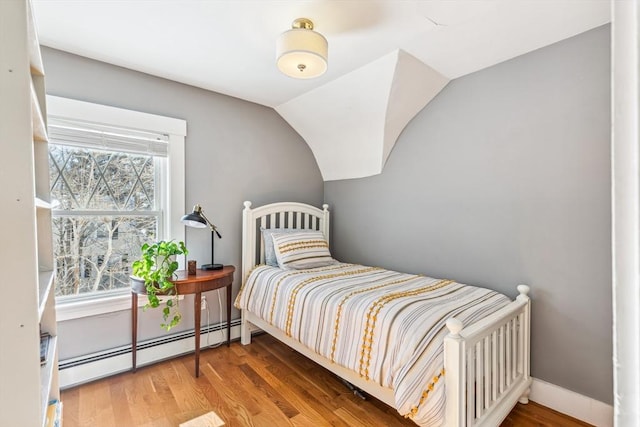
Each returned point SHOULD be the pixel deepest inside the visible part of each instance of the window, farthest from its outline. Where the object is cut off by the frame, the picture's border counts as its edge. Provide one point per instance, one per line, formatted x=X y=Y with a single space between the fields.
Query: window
x=110 y=187
x=107 y=206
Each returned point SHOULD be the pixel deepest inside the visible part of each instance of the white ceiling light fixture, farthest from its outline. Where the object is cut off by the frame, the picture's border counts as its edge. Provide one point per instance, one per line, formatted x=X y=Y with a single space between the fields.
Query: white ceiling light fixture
x=301 y=52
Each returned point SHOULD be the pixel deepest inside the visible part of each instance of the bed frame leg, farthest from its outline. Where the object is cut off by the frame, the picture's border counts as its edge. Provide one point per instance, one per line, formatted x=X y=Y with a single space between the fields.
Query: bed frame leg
x=524 y=399
x=245 y=332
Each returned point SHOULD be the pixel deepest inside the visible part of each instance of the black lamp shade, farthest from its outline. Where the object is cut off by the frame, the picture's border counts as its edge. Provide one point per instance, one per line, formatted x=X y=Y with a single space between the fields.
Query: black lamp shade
x=194 y=220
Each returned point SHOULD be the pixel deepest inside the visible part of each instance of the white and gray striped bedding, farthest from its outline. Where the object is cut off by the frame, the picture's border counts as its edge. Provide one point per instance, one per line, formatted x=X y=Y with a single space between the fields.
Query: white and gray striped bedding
x=386 y=326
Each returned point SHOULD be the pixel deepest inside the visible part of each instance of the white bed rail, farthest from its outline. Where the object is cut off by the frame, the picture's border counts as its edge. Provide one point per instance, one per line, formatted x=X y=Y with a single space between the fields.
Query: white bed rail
x=487 y=365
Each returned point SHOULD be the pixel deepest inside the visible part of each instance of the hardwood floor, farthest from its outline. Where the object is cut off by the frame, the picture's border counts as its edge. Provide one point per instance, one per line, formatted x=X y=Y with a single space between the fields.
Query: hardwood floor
x=263 y=384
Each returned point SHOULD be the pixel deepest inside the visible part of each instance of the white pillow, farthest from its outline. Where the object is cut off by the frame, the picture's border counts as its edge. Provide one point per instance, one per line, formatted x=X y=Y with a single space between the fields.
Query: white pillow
x=302 y=250
x=269 y=251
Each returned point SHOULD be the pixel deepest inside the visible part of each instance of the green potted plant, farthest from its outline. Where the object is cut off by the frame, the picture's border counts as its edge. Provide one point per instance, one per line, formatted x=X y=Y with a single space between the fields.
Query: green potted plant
x=152 y=274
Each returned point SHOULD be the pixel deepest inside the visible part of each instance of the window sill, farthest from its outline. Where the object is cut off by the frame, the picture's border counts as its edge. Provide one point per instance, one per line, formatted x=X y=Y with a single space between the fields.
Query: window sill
x=79 y=308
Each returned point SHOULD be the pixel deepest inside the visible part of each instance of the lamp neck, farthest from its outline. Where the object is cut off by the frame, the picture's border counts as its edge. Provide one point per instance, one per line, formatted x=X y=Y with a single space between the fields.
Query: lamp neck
x=213 y=227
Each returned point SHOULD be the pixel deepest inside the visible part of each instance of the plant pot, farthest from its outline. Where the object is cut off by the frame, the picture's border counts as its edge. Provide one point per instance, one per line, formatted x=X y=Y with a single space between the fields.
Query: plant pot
x=137 y=285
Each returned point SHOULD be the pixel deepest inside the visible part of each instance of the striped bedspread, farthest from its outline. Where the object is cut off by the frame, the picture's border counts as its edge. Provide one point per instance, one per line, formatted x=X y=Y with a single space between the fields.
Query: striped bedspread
x=386 y=326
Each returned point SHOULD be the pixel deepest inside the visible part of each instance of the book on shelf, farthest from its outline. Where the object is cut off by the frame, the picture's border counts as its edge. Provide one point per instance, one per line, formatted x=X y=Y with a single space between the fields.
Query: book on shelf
x=44 y=347
x=54 y=414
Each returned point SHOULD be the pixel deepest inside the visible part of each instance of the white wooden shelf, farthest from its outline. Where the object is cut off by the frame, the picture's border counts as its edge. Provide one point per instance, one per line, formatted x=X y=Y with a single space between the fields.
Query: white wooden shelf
x=41 y=204
x=39 y=127
x=35 y=57
x=47 y=372
x=26 y=386
x=45 y=285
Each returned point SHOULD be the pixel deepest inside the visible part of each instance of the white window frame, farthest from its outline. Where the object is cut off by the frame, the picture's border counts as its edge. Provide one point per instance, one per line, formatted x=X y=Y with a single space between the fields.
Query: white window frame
x=175 y=185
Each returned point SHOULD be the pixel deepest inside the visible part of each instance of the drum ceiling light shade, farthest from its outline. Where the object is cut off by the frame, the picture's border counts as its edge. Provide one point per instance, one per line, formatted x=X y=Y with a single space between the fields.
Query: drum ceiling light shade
x=301 y=52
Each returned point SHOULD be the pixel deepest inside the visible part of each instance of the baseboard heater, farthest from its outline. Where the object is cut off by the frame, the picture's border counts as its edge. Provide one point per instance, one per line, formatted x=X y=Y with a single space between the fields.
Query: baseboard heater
x=89 y=367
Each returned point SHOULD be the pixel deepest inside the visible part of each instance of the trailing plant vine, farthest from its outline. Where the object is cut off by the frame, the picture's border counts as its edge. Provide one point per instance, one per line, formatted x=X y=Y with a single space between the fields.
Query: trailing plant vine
x=157 y=266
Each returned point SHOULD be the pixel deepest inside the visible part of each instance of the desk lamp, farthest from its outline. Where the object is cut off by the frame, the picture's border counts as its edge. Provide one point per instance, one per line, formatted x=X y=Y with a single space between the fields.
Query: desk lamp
x=197 y=219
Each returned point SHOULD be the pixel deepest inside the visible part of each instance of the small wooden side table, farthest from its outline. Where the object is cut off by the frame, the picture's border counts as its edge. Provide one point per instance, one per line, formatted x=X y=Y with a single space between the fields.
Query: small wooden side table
x=202 y=281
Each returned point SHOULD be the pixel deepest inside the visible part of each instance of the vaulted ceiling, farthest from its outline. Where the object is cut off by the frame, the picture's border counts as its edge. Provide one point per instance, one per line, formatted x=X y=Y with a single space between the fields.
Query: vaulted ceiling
x=387 y=58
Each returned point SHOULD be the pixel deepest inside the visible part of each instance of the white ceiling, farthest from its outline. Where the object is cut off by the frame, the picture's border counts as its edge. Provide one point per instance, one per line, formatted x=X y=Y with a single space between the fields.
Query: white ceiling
x=228 y=46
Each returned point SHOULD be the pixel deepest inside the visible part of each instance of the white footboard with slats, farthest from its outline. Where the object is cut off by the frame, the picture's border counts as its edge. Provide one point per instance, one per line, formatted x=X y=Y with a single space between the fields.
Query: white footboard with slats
x=486 y=363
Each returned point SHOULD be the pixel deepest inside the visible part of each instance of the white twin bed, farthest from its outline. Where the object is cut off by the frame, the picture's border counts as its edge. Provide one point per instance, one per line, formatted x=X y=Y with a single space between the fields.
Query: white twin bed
x=439 y=352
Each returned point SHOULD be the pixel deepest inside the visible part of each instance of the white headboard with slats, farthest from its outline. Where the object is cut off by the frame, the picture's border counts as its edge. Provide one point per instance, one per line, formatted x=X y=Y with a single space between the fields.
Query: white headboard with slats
x=276 y=215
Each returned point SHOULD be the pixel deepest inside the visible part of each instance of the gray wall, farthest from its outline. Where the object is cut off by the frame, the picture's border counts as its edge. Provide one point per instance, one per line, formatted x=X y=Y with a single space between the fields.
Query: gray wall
x=235 y=151
x=503 y=179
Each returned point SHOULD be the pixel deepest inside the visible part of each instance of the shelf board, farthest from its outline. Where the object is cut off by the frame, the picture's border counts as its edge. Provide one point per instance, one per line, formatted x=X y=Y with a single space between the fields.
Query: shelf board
x=41 y=204
x=46 y=376
x=35 y=57
x=54 y=411
x=45 y=285
x=39 y=128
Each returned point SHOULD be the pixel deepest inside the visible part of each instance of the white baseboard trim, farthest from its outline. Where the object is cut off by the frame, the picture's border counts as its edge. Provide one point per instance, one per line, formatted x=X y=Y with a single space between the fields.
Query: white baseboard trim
x=571 y=403
x=87 y=371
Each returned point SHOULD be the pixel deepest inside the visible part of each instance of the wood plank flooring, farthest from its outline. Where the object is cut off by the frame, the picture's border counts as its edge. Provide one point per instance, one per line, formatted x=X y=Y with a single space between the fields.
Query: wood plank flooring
x=264 y=384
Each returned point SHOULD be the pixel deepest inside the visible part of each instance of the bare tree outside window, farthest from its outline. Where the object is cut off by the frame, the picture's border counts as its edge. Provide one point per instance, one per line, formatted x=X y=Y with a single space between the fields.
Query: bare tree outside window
x=107 y=208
